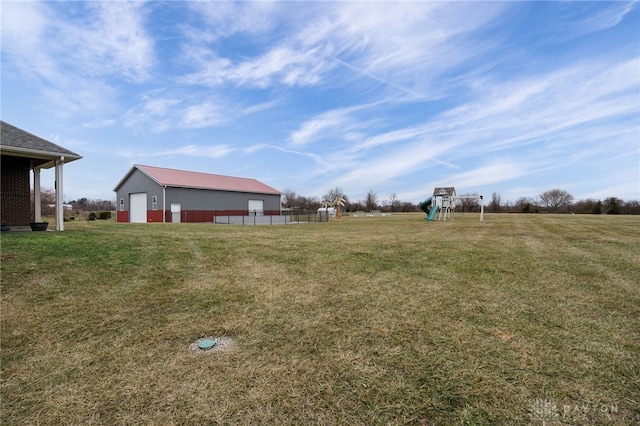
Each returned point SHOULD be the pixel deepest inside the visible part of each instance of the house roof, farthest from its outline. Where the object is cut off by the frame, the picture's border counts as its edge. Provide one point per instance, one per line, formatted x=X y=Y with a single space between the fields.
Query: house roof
x=447 y=190
x=186 y=179
x=19 y=143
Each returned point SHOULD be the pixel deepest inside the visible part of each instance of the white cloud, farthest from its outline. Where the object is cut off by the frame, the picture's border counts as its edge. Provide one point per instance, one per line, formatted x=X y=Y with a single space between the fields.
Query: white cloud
x=116 y=42
x=496 y=172
x=198 y=151
x=162 y=113
x=261 y=107
x=604 y=17
x=74 y=61
x=310 y=129
x=100 y=123
x=560 y=116
x=397 y=96
x=403 y=45
x=23 y=26
x=206 y=114
x=214 y=151
x=225 y=19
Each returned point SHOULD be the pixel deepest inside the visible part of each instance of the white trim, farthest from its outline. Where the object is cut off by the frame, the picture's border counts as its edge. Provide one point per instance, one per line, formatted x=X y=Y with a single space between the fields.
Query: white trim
x=59 y=195
x=39 y=155
x=164 y=205
x=37 y=199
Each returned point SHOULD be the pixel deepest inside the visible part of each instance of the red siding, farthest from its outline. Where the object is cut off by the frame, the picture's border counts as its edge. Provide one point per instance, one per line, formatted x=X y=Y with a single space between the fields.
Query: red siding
x=154 y=215
x=191 y=216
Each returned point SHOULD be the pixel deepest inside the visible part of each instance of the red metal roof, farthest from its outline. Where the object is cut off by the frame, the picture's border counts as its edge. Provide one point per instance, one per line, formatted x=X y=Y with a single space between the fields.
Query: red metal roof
x=185 y=179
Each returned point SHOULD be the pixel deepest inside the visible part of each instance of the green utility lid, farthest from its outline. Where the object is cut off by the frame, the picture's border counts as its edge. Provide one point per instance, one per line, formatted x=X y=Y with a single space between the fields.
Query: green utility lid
x=206 y=344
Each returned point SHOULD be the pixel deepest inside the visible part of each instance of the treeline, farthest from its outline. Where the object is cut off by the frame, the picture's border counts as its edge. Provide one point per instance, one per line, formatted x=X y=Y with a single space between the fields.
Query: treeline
x=552 y=201
x=560 y=201
x=292 y=200
x=87 y=205
x=611 y=205
x=82 y=206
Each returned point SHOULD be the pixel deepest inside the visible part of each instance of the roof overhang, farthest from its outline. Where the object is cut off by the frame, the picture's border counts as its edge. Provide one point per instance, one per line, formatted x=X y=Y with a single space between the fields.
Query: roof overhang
x=40 y=159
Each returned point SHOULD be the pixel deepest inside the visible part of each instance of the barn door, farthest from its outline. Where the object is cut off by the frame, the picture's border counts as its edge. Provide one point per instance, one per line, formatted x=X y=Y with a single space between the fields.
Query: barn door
x=175 y=213
x=256 y=207
x=138 y=207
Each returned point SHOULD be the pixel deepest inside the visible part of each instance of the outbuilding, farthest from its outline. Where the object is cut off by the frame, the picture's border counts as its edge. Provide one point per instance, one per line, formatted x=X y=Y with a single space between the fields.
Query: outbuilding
x=157 y=194
x=327 y=211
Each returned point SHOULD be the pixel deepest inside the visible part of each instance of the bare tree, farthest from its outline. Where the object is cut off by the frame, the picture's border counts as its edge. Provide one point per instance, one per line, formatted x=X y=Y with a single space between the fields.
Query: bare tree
x=408 y=206
x=289 y=197
x=525 y=205
x=612 y=205
x=47 y=201
x=356 y=205
x=393 y=201
x=554 y=199
x=631 y=207
x=86 y=205
x=495 y=203
x=307 y=203
x=335 y=193
x=371 y=203
x=469 y=204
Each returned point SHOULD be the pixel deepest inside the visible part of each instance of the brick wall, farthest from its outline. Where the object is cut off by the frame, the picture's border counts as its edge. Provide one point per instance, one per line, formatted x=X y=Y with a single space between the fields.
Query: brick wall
x=15 y=191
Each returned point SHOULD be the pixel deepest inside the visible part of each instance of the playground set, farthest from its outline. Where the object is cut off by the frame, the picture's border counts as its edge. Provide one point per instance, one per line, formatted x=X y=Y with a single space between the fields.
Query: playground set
x=442 y=204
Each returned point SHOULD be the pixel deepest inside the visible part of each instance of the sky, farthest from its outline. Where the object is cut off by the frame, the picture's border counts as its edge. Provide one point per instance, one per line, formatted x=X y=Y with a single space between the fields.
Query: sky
x=394 y=98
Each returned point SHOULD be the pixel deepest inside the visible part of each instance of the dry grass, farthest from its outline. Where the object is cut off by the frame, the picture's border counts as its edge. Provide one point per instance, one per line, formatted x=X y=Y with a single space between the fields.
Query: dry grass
x=388 y=320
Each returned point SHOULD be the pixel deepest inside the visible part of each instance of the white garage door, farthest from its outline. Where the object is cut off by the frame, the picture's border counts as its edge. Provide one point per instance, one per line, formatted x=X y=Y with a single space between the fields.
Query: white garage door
x=138 y=208
x=256 y=207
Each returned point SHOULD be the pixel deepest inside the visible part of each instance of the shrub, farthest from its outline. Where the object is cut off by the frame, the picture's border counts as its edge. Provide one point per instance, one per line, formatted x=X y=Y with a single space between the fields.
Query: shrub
x=92 y=216
x=104 y=215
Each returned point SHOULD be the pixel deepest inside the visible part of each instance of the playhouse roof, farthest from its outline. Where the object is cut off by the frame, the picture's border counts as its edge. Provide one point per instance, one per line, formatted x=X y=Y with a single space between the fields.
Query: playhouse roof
x=447 y=190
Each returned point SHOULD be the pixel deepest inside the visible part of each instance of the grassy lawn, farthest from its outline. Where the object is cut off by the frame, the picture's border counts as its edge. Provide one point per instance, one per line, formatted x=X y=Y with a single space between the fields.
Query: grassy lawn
x=518 y=319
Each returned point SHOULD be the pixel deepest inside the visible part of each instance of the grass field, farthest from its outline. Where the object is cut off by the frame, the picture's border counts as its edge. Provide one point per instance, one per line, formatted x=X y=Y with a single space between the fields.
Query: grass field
x=520 y=319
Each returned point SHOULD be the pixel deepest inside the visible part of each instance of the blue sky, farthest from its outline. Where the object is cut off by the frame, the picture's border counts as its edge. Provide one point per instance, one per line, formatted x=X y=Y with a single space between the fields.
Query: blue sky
x=514 y=98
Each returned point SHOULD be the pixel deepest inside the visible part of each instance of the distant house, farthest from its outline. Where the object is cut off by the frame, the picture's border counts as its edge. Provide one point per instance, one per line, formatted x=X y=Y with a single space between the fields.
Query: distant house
x=21 y=153
x=156 y=194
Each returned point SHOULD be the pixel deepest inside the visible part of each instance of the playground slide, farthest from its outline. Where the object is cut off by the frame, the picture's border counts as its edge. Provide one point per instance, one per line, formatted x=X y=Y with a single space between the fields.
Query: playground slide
x=428 y=209
x=432 y=213
x=425 y=205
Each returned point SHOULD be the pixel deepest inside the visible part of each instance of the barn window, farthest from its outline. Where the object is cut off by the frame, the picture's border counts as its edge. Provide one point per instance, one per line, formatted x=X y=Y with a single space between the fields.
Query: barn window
x=121 y=204
x=154 y=202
